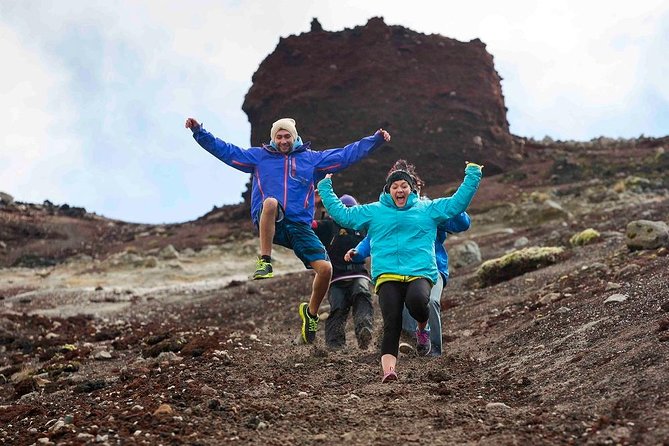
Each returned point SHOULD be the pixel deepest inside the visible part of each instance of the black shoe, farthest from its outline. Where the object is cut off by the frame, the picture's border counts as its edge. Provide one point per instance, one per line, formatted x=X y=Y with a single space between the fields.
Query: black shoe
x=263 y=270
x=309 y=324
x=406 y=349
x=364 y=338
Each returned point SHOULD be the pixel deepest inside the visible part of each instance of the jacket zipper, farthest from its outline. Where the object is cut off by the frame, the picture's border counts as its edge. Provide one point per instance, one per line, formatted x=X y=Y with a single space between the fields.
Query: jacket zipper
x=306 y=199
x=285 y=181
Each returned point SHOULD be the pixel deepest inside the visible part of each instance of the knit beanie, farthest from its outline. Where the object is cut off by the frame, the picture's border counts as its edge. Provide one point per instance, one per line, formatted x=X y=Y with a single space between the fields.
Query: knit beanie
x=348 y=200
x=287 y=124
x=397 y=176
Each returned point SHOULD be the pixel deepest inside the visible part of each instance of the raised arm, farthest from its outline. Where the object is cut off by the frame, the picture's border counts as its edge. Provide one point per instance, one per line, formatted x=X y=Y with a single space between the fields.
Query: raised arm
x=241 y=159
x=444 y=208
x=334 y=160
x=355 y=217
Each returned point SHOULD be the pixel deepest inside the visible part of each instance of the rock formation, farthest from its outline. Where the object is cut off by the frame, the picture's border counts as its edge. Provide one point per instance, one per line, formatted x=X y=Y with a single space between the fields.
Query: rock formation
x=441 y=100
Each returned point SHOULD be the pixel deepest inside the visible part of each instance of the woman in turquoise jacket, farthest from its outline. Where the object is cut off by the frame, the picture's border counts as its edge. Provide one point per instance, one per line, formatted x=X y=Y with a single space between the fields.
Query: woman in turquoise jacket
x=402 y=229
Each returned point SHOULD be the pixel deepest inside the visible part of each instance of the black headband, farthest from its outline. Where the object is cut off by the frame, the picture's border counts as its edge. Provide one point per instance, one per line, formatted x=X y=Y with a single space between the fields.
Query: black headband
x=397 y=176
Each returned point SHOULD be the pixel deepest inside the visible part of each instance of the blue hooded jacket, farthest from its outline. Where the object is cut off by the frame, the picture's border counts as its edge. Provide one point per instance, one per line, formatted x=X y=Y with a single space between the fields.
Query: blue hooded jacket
x=459 y=223
x=287 y=177
x=402 y=239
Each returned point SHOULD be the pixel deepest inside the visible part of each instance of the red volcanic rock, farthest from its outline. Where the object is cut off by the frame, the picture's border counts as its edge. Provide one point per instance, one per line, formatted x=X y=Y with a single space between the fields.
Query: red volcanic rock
x=441 y=100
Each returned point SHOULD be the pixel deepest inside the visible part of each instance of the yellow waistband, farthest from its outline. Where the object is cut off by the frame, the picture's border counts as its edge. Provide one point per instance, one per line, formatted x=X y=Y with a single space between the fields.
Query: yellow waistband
x=392 y=278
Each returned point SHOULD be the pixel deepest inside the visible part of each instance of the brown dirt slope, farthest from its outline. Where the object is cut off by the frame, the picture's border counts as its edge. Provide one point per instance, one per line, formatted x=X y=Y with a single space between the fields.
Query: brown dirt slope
x=538 y=359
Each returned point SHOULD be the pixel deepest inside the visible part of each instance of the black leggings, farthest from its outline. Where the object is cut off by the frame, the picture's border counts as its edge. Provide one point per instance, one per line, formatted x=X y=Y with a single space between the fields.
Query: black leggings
x=392 y=298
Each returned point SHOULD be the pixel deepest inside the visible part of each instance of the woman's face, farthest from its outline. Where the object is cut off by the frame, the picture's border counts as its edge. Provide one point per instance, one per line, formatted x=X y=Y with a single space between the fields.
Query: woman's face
x=400 y=191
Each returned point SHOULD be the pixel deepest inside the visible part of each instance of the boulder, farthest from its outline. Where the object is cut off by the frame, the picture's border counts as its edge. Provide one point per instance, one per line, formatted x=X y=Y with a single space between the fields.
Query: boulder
x=6 y=199
x=517 y=263
x=646 y=234
x=464 y=254
x=584 y=237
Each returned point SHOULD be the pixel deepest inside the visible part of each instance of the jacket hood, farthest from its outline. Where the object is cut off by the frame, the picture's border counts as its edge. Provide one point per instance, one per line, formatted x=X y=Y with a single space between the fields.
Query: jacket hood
x=297 y=145
x=387 y=200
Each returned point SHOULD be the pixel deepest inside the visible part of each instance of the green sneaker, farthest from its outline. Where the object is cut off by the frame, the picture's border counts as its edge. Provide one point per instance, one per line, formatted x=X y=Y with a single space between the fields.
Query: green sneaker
x=263 y=270
x=309 y=324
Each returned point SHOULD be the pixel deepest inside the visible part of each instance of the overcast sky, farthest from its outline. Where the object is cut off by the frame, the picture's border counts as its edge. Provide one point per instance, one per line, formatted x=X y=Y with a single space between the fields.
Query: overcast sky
x=94 y=94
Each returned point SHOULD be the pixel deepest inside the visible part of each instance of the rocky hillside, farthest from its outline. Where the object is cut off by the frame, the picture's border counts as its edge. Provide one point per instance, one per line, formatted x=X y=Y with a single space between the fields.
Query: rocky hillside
x=556 y=324
x=440 y=98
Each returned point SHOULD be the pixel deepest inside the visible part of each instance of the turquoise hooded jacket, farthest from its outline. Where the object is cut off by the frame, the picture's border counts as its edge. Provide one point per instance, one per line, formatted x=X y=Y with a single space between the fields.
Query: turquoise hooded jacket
x=402 y=239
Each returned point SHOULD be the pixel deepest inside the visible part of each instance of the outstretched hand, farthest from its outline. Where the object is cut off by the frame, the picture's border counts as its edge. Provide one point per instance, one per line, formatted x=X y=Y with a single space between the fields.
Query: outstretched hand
x=329 y=175
x=386 y=135
x=191 y=123
x=349 y=255
x=469 y=163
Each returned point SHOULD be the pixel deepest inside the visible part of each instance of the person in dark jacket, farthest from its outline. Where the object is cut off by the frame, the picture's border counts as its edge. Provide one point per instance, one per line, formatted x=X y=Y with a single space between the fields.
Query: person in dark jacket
x=282 y=197
x=349 y=287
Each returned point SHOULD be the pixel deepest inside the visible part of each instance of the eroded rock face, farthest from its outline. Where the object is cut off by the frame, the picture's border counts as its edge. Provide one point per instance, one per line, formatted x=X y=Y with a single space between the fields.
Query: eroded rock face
x=441 y=100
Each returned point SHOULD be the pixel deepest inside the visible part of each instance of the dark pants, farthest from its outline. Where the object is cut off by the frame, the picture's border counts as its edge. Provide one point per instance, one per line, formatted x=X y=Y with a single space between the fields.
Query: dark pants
x=344 y=295
x=392 y=298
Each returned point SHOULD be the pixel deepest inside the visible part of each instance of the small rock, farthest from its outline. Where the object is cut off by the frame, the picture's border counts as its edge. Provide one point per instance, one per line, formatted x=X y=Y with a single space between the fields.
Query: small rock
x=164 y=409
x=663 y=325
x=206 y=390
x=628 y=271
x=57 y=426
x=612 y=286
x=616 y=298
x=214 y=404
x=168 y=252
x=550 y=297
x=103 y=355
x=262 y=426
x=302 y=394
x=169 y=357
x=494 y=406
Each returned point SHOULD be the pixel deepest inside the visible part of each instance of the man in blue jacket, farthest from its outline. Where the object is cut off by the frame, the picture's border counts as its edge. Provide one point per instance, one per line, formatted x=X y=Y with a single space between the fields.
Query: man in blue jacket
x=282 y=197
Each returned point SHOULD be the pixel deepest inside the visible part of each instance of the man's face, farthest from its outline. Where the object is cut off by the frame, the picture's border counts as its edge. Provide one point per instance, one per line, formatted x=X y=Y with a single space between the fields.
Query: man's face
x=284 y=141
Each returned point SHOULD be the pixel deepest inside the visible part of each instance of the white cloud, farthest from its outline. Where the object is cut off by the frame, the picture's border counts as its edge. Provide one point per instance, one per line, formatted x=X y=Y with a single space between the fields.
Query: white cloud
x=38 y=145
x=98 y=90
